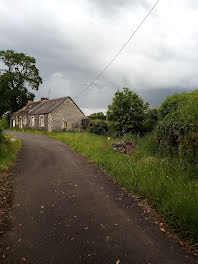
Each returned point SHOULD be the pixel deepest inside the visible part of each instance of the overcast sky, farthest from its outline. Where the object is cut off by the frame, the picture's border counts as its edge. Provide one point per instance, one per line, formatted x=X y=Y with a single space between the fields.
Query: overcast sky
x=73 y=41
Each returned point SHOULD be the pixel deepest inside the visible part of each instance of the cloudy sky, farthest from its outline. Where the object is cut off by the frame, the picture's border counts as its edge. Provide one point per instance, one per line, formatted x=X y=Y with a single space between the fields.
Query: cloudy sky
x=73 y=41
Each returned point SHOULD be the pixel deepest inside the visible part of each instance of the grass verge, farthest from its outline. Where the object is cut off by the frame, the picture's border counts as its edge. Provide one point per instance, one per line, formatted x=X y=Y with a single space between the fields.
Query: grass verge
x=8 y=150
x=9 y=147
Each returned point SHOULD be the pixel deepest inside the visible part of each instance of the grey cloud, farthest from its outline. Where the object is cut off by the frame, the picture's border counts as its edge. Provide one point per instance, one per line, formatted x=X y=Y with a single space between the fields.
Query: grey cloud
x=70 y=51
x=114 y=6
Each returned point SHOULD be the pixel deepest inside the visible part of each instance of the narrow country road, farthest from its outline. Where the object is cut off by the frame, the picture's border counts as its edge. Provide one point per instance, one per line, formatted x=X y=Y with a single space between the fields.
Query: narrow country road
x=67 y=211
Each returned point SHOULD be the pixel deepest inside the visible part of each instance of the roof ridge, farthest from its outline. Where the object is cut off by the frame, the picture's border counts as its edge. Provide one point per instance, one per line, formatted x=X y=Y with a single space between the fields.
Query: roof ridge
x=47 y=100
x=55 y=98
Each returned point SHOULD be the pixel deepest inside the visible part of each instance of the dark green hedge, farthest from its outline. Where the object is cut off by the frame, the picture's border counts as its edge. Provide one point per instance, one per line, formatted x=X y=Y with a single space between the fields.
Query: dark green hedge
x=177 y=129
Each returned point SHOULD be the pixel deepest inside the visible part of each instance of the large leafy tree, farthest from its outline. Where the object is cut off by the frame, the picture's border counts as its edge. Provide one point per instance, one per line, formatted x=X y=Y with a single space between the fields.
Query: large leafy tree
x=18 y=75
x=127 y=111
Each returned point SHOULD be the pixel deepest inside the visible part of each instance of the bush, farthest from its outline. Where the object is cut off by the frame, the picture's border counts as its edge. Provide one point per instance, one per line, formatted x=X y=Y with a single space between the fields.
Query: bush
x=128 y=112
x=1 y=135
x=4 y=122
x=150 y=121
x=177 y=129
x=99 y=127
x=96 y=116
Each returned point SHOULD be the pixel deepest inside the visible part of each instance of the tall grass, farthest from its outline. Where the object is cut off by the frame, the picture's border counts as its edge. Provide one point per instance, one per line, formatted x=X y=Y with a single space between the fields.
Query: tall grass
x=8 y=151
x=167 y=183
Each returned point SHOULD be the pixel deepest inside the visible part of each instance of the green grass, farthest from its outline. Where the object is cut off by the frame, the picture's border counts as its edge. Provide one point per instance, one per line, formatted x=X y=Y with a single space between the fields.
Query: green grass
x=8 y=151
x=167 y=183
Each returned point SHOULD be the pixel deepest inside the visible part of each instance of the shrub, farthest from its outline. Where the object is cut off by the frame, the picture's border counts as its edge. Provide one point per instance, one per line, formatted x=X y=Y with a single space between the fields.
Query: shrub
x=177 y=129
x=4 y=122
x=127 y=112
x=99 y=127
x=96 y=116
x=151 y=120
x=1 y=135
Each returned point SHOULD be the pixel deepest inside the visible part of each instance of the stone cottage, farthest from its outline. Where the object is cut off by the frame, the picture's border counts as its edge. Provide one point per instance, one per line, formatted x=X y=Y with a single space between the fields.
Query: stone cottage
x=54 y=114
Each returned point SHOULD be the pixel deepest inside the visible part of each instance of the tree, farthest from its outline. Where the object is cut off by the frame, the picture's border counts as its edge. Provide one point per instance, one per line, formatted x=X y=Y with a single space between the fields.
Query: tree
x=127 y=111
x=19 y=74
x=99 y=115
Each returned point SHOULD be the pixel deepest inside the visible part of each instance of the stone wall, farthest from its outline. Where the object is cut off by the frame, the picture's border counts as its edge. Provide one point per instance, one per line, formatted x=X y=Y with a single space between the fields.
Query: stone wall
x=67 y=116
x=67 y=113
x=25 y=121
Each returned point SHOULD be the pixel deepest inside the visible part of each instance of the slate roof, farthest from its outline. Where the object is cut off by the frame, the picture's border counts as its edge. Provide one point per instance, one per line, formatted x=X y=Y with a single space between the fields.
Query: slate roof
x=43 y=107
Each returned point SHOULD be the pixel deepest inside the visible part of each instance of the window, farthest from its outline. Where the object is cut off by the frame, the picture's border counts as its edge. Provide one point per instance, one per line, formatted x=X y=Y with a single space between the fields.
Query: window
x=24 y=120
x=32 y=121
x=65 y=126
x=13 y=123
x=41 y=121
x=20 y=122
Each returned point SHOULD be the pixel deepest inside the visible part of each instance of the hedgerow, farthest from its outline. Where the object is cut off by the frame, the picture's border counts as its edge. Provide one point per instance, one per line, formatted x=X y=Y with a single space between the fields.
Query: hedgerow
x=177 y=130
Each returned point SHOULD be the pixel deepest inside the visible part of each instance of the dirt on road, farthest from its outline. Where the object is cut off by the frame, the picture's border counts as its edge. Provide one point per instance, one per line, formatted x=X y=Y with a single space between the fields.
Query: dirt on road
x=67 y=211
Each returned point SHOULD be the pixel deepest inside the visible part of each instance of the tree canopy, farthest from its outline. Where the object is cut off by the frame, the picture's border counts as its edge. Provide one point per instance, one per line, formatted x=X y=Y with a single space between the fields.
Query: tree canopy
x=127 y=111
x=16 y=78
x=99 y=115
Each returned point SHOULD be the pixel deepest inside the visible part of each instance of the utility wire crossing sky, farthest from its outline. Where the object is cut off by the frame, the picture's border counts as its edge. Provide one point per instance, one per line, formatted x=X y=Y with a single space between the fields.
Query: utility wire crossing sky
x=114 y=58
x=73 y=40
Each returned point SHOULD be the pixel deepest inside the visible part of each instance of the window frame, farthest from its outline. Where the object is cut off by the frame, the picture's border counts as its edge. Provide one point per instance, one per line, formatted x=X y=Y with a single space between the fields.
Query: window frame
x=24 y=120
x=41 y=121
x=32 y=123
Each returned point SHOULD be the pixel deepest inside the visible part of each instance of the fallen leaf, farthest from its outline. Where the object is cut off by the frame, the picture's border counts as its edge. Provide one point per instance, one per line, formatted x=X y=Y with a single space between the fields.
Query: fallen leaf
x=161 y=224
x=102 y=225
x=75 y=185
x=181 y=243
x=163 y=230
x=86 y=228
x=19 y=225
x=42 y=206
x=118 y=262
x=23 y=259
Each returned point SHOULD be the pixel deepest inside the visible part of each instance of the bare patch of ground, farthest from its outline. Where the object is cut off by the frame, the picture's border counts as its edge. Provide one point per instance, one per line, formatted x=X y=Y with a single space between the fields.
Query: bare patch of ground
x=125 y=147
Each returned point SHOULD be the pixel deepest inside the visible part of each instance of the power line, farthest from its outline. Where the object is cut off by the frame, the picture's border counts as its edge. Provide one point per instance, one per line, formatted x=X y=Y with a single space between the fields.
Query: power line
x=113 y=59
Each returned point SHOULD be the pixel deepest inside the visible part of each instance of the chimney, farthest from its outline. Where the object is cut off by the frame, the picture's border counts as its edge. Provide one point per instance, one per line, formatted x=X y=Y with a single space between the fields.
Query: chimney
x=44 y=98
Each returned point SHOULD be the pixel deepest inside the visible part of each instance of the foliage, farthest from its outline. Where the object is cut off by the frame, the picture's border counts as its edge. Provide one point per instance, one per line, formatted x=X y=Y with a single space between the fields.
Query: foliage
x=3 y=125
x=177 y=130
x=151 y=120
x=99 y=127
x=98 y=116
x=127 y=112
x=4 y=122
x=8 y=151
x=20 y=73
x=1 y=135
x=172 y=103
